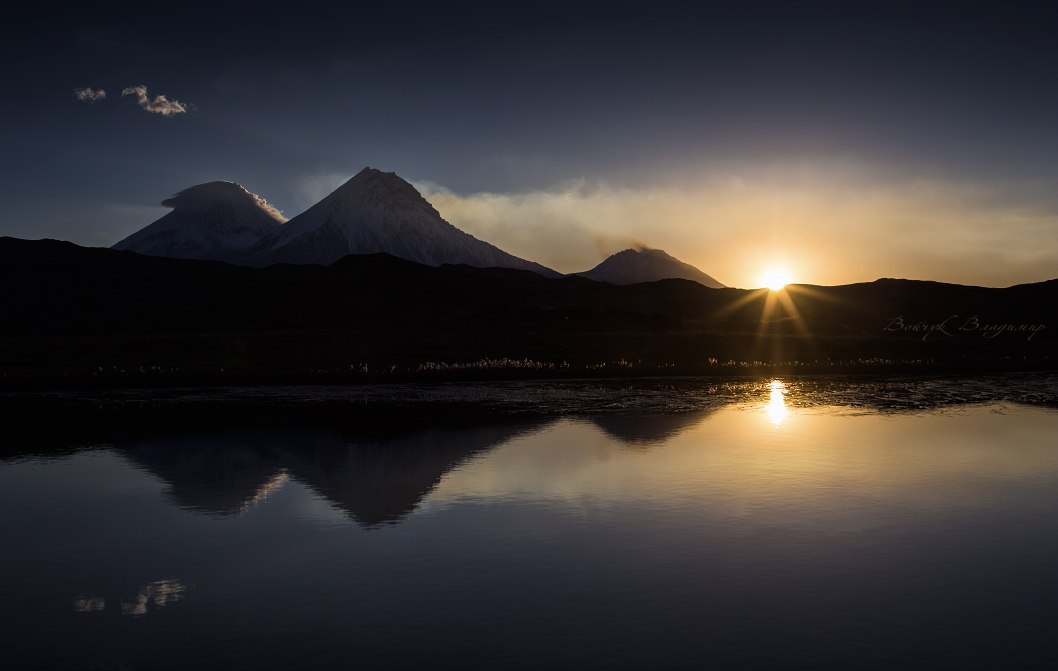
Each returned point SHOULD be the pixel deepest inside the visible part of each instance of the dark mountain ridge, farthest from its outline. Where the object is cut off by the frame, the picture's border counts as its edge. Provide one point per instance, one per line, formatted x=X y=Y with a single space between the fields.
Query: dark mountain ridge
x=74 y=311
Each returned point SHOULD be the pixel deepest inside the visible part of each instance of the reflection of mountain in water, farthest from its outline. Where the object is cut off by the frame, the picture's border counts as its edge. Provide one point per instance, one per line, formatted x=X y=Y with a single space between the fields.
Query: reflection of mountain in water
x=646 y=430
x=375 y=480
x=220 y=474
x=227 y=456
x=381 y=480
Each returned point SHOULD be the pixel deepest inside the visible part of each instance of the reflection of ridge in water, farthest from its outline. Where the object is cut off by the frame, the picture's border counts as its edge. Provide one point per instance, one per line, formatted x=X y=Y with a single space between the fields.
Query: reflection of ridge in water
x=380 y=481
x=646 y=430
x=222 y=465
x=375 y=481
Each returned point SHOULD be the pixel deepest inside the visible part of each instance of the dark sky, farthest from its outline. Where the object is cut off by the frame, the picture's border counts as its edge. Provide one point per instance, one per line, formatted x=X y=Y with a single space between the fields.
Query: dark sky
x=512 y=98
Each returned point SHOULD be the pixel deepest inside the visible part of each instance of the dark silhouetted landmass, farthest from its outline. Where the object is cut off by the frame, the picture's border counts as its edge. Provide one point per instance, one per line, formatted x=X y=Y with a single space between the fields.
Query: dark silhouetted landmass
x=633 y=266
x=75 y=315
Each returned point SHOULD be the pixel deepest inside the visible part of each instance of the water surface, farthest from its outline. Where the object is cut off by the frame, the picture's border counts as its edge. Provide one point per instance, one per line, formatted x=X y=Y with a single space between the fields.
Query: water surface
x=770 y=529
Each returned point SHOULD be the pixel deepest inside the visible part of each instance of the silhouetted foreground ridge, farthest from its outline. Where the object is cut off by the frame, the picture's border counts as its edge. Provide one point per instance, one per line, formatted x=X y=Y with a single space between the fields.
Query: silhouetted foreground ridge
x=83 y=315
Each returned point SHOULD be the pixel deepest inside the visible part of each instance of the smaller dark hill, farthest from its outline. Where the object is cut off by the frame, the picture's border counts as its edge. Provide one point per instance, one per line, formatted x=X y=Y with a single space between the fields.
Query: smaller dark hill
x=646 y=265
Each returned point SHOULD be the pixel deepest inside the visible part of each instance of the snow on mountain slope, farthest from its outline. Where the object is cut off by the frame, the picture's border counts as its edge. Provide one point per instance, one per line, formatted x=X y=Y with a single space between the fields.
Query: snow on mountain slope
x=646 y=265
x=374 y=212
x=208 y=221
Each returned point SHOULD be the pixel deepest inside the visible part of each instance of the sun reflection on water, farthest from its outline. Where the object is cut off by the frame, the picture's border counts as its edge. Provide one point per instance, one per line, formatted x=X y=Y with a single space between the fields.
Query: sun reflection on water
x=777 y=403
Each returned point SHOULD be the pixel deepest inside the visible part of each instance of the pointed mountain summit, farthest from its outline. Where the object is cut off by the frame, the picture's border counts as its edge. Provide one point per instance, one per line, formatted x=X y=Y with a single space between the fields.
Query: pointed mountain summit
x=375 y=212
x=646 y=265
x=208 y=221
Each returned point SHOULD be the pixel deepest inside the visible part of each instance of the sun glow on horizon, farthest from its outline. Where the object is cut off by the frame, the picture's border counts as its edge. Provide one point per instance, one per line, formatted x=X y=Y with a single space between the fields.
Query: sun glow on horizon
x=774 y=278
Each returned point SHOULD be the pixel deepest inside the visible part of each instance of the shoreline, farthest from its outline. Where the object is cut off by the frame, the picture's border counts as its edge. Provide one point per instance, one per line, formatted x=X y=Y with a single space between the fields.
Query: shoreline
x=507 y=370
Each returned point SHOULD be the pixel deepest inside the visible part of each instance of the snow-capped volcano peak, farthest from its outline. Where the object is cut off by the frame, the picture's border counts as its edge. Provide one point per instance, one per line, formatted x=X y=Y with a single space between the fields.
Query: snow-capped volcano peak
x=208 y=221
x=371 y=201
x=373 y=212
x=370 y=182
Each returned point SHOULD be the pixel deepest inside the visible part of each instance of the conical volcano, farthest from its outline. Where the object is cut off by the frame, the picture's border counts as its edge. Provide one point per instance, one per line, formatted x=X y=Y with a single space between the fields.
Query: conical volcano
x=208 y=221
x=376 y=212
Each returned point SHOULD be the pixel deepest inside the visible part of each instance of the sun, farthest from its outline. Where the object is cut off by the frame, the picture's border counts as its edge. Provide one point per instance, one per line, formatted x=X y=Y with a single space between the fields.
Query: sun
x=774 y=278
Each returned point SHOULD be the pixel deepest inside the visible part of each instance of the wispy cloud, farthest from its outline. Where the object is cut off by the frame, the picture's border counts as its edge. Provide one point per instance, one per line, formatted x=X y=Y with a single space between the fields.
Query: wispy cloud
x=89 y=94
x=159 y=105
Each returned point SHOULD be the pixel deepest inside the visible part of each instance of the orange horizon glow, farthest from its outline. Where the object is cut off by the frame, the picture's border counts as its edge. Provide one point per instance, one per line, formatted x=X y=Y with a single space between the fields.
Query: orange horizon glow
x=823 y=225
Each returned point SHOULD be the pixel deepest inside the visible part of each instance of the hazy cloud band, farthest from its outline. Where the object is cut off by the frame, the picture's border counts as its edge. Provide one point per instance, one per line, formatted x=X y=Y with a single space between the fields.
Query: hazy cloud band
x=822 y=232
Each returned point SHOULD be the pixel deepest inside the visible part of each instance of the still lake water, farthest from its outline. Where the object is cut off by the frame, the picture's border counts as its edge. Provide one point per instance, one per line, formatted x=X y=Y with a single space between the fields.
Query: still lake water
x=773 y=529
